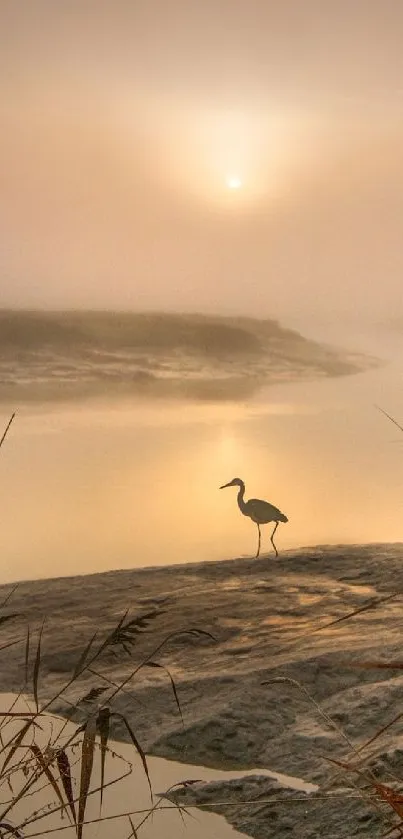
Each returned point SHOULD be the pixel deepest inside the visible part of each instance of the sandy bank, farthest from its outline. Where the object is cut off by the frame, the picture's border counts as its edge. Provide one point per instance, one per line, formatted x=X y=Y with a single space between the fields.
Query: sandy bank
x=269 y=619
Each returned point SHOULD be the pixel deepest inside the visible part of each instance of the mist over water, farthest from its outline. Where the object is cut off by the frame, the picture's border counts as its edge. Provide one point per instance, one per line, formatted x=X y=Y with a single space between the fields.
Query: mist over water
x=130 y=478
x=76 y=355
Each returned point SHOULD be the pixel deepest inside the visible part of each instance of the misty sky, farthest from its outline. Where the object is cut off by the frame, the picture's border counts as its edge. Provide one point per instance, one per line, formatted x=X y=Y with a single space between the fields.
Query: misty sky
x=122 y=120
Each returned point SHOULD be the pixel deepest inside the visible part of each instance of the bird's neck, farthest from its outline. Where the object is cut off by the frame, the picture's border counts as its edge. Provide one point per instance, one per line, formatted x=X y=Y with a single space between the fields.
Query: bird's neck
x=241 y=493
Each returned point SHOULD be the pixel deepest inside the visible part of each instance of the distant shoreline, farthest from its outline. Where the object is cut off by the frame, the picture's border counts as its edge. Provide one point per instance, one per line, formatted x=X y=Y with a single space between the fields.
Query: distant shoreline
x=74 y=355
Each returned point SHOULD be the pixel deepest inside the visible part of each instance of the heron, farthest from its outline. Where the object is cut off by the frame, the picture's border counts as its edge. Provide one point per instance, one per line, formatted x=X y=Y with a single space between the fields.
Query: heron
x=261 y=512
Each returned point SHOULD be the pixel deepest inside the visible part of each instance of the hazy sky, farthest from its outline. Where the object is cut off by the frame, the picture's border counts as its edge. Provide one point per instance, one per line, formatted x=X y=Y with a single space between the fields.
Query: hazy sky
x=122 y=120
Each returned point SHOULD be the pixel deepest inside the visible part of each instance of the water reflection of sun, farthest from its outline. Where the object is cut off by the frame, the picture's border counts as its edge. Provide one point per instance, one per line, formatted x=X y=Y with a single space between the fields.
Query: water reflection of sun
x=228 y=447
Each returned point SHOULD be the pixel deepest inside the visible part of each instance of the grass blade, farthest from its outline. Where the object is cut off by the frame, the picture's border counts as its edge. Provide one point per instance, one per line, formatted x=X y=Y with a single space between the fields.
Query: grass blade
x=10 y=644
x=16 y=743
x=374 y=665
x=7 y=429
x=137 y=747
x=27 y=715
x=126 y=634
x=63 y=766
x=9 y=595
x=141 y=622
x=43 y=763
x=400 y=427
x=83 y=657
x=37 y=666
x=134 y=831
x=87 y=761
x=190 y=782
x=27 y=643
x=110 y=639
x=94 y=693
x=103 y=722
x=175 y=693
x=197 y=633
x=13 y=831
x=5 y=618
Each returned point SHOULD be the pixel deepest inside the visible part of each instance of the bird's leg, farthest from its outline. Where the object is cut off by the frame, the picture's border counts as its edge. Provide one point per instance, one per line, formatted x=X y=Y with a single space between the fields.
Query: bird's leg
x=258 y=545
x=272 y=537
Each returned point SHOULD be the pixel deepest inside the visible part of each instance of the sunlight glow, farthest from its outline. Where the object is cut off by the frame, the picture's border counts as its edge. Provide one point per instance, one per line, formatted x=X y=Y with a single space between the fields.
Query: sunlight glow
x=233 y=154
x=234 y=182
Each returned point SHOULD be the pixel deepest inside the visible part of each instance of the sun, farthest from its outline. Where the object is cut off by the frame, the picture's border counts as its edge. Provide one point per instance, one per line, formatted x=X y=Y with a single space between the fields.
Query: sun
x=234 y=182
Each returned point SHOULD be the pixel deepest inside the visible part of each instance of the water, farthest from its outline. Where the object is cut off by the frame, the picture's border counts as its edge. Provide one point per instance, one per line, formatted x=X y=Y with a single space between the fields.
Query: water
x=130 y=795
x=93 y=485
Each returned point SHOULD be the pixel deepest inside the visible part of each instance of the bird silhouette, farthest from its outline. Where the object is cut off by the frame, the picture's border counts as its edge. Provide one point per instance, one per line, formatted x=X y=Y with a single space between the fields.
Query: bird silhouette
x=261 y=512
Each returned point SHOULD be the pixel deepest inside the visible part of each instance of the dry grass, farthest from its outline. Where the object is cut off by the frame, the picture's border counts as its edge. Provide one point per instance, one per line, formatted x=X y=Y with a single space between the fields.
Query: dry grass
x=26 y=761
x=356 y=773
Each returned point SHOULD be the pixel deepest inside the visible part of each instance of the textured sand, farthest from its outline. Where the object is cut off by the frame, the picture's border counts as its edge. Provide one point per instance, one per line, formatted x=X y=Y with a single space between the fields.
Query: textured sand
x=263 y=615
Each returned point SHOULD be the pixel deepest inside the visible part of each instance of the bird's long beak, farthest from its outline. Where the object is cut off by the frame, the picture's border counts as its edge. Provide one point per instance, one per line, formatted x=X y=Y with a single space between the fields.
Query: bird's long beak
x=225 y=485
